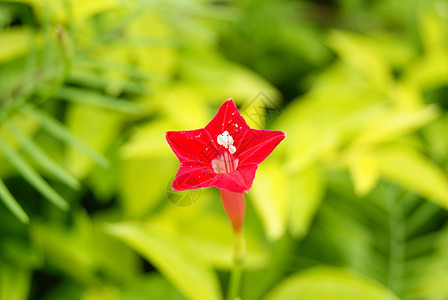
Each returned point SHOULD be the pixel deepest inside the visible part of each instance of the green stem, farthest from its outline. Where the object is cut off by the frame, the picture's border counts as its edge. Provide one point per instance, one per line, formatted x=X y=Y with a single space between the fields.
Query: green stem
x=233 y=292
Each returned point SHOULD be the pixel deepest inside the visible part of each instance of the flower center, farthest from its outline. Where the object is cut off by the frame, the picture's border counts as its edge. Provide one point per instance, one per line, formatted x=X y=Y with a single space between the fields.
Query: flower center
x=225 y=163
x=226 y=140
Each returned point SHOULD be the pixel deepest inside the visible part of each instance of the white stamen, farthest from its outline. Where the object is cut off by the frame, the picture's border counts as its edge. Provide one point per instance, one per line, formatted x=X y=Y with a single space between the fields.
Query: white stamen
x=232 y=149
x=226 y=140
x=222 y=141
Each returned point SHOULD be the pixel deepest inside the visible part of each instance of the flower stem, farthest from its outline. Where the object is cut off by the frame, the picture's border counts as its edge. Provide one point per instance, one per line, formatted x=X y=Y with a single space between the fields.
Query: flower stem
x=234 y=288
x=234 y=206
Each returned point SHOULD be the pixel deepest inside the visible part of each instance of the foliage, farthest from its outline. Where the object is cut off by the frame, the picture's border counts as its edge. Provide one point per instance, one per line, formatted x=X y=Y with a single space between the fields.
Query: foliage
x=353 y=202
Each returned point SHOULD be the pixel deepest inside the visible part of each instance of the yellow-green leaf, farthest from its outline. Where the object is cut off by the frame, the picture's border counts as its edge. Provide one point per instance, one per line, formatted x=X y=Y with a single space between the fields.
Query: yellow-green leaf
x=148 y=142
x=410 y=169
x=434 y=30
x=363 y=171
x=269 y=197
x=359 y=52
x=98 y=133
x=144 y=183
x=429 y=71
x=210 y=235
x=166 y=250
x=15 y=42
x=306 y=191
x=14 y=282
x=326 y=283
x=393 y=124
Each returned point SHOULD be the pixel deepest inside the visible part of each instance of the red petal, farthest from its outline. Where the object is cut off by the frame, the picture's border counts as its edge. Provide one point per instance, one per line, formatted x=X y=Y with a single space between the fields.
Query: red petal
x=228 y=119
x=192 y=146
x=193 y=177
x=239 y=181
x=257 y=145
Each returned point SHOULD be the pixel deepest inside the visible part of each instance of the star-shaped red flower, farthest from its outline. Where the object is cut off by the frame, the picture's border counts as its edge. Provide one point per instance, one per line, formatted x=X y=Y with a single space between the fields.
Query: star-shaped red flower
x=225 y=154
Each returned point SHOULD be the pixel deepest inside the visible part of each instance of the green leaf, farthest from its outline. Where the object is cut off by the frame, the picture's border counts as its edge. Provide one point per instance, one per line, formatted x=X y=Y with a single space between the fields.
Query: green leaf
x=121 y=263
x=436 y=146
x=32 y=176
x=148 y=142
x=428 y=72
x=359 y=52
x=22 y=252
x=210 y=236
x=410 y=169
x=81 y=12
x=363 y=171
x=101 y=292
x=68 y=246
x=137 y=199
x=152 y=286
x=391 y=124
x=306 y=196
x=329 y=116
x=407 y=97
x=99 y=133
x=185 y=269
x=41 y=158
x=294 y=37
x=105 y=182
x=270 y=199
x=254 y=111
x=186 y=100
x=112 y=65
x=15 y=42
x=326 y=283
x=84 y=96
x=100 y=81
x=11 y=203
x=61 y=132
x=421 y=215
x=257 y=282
x=14 y=282
x=431 y=283
x=342 y=234
x=433 y=30
x=205 y=231
x=212 y=75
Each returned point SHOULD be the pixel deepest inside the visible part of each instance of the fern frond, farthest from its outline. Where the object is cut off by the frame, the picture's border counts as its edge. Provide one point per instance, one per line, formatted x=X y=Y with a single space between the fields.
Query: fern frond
x=59 y=131
x=32 y=176
x=40 y=158
x=400 y=238
x=83 y=96
x=11 y=203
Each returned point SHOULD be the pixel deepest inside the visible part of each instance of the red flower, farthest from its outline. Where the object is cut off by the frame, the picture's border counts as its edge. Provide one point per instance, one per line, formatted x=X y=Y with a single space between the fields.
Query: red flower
x=225 y=154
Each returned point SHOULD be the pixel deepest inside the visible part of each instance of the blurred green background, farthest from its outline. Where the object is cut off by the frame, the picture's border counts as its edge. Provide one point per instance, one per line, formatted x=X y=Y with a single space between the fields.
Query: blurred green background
x=351 y=205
